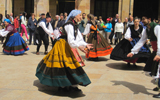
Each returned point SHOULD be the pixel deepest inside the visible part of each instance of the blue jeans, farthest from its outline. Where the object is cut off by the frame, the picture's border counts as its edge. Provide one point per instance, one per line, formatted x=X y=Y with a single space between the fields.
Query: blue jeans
x=18 y=29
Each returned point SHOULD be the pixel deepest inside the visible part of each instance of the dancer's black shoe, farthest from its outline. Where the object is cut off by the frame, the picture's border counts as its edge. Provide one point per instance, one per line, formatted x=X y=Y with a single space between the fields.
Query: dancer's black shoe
x=156 y=89
x=74 y=89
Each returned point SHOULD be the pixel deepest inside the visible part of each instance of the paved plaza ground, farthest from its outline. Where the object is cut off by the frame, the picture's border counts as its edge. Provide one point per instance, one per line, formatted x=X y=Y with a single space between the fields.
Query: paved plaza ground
x=111 y=80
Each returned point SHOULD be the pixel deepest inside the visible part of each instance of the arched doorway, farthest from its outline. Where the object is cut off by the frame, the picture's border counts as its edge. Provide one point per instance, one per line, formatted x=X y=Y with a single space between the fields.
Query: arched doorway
x=146 y=7
x=29 y=7
x=106 y=8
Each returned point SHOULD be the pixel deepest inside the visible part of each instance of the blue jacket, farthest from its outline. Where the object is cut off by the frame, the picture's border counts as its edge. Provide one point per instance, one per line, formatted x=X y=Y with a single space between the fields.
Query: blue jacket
x=109 y=27
x=31 y=24
x=60 y=23
x=81 y=27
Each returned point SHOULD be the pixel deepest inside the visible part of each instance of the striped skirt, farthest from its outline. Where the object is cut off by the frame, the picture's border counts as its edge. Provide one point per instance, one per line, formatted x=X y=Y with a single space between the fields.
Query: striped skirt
x=101 y=47
x=59 y=68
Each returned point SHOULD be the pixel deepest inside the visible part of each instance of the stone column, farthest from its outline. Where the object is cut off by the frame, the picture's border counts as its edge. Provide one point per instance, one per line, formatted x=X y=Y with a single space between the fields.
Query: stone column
x=9 y=6
x=124 y=8
x=83 y=5
x=120 y=8
x=2 y=7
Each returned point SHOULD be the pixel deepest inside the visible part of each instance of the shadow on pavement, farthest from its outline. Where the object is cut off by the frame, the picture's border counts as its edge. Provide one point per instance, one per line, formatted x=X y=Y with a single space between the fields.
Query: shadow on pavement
x=123 y=66
x=154 y=81
x=54 y=91
x=40 y=53
x=136 y=88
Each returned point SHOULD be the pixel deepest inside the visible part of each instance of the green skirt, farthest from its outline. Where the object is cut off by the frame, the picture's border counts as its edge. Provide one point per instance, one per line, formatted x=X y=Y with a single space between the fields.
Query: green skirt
x=59 y=68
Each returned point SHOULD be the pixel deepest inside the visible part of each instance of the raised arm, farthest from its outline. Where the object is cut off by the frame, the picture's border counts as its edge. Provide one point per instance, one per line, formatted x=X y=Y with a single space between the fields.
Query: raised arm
x=48 y=30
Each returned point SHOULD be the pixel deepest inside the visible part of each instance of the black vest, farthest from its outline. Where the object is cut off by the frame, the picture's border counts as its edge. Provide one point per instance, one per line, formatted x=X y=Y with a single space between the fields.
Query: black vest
x=94 y=32
x=150 y=32
x=64 y=33
x=136 y=33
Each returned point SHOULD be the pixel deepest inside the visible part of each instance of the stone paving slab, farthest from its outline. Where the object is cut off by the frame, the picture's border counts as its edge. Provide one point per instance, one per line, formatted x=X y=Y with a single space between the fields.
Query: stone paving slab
x=111 y=80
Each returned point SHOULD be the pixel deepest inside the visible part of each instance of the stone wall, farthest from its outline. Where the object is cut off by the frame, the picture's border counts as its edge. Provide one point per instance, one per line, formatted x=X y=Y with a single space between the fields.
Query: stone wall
x=83 y=5
x=2 y=7
x=19 y=6
x=42 y=6
x=52 y=7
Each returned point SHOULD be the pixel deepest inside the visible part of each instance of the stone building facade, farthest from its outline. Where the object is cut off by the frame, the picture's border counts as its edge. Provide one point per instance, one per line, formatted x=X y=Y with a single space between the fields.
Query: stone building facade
x=104 y=8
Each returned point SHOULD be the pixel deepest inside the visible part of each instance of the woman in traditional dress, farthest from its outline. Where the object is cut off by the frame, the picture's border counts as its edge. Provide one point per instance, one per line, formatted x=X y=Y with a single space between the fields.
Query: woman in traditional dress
x=101 y=47
x=59 y=68
x=132 y=36
x=14 y=44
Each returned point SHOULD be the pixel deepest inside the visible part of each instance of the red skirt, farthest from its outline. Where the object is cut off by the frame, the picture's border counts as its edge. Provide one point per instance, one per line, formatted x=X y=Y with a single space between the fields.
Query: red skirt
x=132 y=60
x=78 y=57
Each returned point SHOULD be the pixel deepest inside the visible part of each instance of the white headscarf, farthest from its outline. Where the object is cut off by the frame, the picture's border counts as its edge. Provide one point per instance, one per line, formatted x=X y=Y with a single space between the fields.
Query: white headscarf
x=73 y=13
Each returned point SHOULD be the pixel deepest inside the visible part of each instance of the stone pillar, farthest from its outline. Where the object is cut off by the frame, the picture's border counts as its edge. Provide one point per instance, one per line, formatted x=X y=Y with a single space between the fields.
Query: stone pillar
x=19 y=6
x=2 y=7
x=120 y=8
x=42 y=6
x=83 y=5
x=52 y=7
x=35 y=8
x=9 y=6
x=124 y=8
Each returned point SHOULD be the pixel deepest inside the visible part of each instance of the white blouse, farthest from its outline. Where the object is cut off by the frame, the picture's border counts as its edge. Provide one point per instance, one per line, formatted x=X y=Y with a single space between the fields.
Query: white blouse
x=157 y=33
x=74 y=43
x=119 y=27
x=128 y=33
x=49 y=30
x=4 y=32
x=23 y=20
x=87 y=29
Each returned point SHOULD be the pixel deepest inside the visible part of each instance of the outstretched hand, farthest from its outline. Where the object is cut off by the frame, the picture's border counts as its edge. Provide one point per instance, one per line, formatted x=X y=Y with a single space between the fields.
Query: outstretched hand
x=130 y=39
x=156 y=58
x=89 y=46
x=82 y=48
x=52 y=33
x=130 y=55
